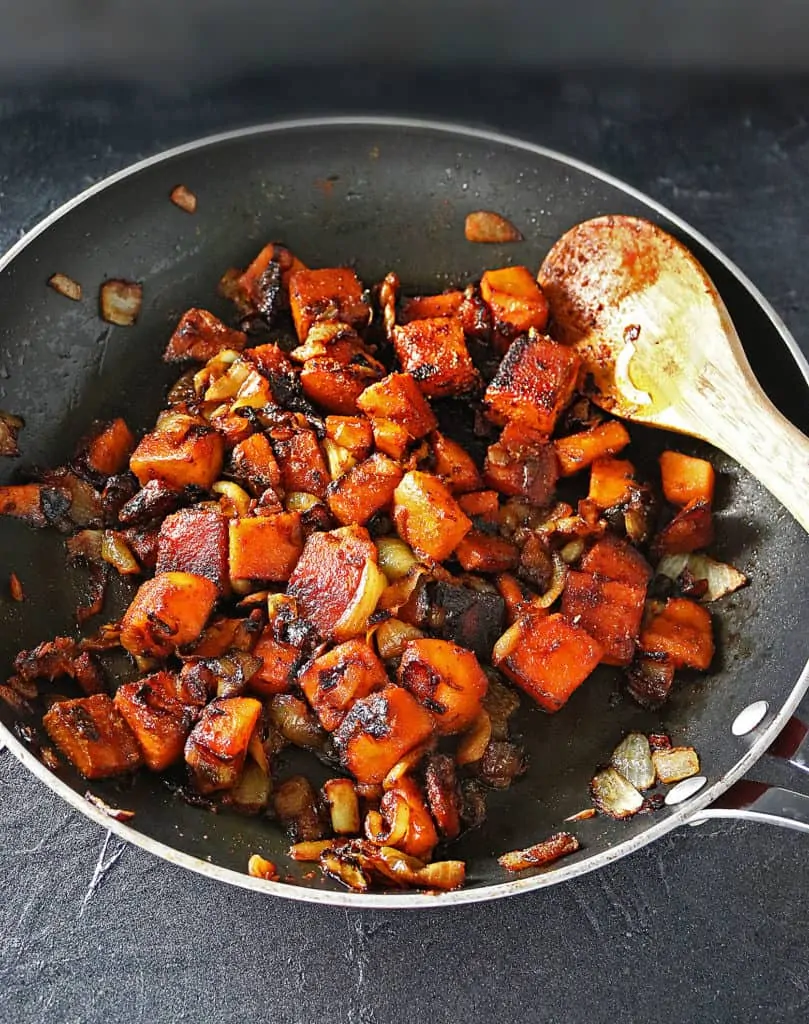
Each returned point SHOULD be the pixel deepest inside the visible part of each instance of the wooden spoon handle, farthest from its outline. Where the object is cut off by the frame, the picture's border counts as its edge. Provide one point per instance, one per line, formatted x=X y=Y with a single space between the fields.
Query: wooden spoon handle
x=744 y=423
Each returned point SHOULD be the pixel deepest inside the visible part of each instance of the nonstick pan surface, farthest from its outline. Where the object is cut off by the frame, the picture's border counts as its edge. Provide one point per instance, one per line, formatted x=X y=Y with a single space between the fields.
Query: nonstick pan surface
x=381 y=195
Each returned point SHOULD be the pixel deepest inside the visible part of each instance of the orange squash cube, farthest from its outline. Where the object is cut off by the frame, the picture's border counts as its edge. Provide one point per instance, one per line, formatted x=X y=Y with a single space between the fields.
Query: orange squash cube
x=454 y=465
x=365 y=489
x=434 y=351
x=611 y=482
x=516 y=301
x=427 y=517
x=690 y=530
x=93 y=736
x=379 y=730
x=397 y=398
x=270 y=360
x=335 y=385
x=522 y=464
x=581 y=450
x=609 y=610
x=253 y=463
x=110 y=448
x=421 y=836
x=265 y=547
x=546 y=656
x=195 y=540
x=331 y=294
x=686 y=479
x=352 y=433
x=216 y=748
x=249 y=284
x=424 y=307
x=167 y=612
x=333 y=681
x=614 y=559
x=179 y=462
x=682 y=632
x=158 y=717
x=533 y=384
x=199 y=336
x=337 y=581
x=302 y=463
x=446 y=679
x=481 y=552
x=481 y=506
x=279 y=665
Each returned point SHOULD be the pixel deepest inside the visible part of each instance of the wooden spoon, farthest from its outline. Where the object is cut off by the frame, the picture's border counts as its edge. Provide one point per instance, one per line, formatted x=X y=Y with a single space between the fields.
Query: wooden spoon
x=658 y=347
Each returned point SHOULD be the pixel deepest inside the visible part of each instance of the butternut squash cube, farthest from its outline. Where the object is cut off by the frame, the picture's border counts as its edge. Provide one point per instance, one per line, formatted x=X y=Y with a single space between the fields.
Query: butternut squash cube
x=611 y=482
x=265 y=547
x=195 y=540
x=365 y=489
x=352 y=433
x=580 y=450
x=167 y=612
x=253 y=464
x=424 y=307
x=153 y=709
x=397 y=398
x=179 y=462
x=516 y=301
x=609 y=610
x=686 y=479
x=434 y=351
x=379 y=730
x=533 y=384
x=335 y=385
x=546 y=656
x=199 y=336
x=454 y=464
x=446 y=679
x=682 y=632
x=427 y=517
x=110 y=448
x=93 y=736
x=216 y=748
x=336 y=679
x=331 y=294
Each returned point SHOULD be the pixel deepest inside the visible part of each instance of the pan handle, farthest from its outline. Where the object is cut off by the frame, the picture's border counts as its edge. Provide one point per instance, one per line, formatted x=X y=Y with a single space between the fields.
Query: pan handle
x=767 y=795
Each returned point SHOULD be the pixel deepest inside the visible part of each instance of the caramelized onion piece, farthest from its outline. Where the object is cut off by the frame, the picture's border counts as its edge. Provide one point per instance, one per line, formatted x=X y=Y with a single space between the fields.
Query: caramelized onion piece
x=260 y=867
x=66 y=286
x=633 y=759
x=116 y=813
x=120 y=302
x=675 y=764
x=10 y=426
x=613 y=795
x=559 y=845
x=721 y=579
x=488 y=227
x=184 y=198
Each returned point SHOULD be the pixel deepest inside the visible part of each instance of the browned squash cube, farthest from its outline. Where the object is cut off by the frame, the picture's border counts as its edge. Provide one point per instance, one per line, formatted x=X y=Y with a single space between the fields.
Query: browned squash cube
x=363 y=490
x=337 y=581
x=331 y=294
x=686 y=479
x=179 y=462
x=682 y=632
x=199 y=336
x=533 y=383
x=36 y=504
x=270 y=360
x=516 y=301
x=609 y=610
x=251 y=281
x=397 y=398
x=110 y=448
x=379 y=730
x=167 y=612
x=424 y=307
x=611 y=482
x=279 y=664
x=454 y=465
x=302 y=463
x=614 y=559
x=481 y=552
x=690 y=530
x=93 y=736
x=391 y=438
x=153 y=709
x=217 y=745
x=546 y=656
x=336 y=679
x=265 y=547
x=195 y=540
x=434 y=351
x=427 y=517
x=522 y=464
x=253 y=463
x=481 y=506
x=335 y=385
x=352 y=433
x=446 y=679
x=581 y=450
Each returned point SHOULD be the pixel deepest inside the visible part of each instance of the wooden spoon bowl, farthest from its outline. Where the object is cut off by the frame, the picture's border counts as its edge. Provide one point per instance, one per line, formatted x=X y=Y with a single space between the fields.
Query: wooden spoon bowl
x=658 y=347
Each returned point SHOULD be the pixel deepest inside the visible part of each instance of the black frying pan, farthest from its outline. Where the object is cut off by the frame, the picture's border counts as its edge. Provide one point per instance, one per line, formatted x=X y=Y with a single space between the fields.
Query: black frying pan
x=383 y=195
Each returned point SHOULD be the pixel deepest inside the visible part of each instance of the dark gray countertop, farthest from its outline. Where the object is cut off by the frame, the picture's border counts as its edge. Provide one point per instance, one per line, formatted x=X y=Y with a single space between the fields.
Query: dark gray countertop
x=707 y=925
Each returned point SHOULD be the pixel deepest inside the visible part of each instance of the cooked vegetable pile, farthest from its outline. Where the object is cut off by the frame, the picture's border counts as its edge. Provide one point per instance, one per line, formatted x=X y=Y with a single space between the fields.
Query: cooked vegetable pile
x=321 y=565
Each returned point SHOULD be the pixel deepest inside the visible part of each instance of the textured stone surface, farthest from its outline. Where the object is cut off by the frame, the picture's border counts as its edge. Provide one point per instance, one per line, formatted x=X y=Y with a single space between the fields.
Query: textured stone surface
x=706 y=925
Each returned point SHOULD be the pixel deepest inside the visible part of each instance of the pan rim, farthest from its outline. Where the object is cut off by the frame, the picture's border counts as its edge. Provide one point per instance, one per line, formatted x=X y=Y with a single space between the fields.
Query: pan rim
x=681 y=815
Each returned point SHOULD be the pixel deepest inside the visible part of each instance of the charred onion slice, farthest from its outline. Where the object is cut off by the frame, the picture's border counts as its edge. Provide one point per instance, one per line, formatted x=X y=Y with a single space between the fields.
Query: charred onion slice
x=184 y=198
x=488 y=227
x=10 y=426
x=675 y=764
x=120 y=302
x=344 y=808
x=613 y=795
x=66 y=286
x=116 y=813
x=633 y=759
x=721 y=579
x=559 y=845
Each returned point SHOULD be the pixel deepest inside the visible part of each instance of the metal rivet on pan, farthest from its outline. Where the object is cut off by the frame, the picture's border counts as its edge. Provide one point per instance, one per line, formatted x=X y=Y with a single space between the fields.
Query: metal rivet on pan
x=683 y=790
x=747 y=720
